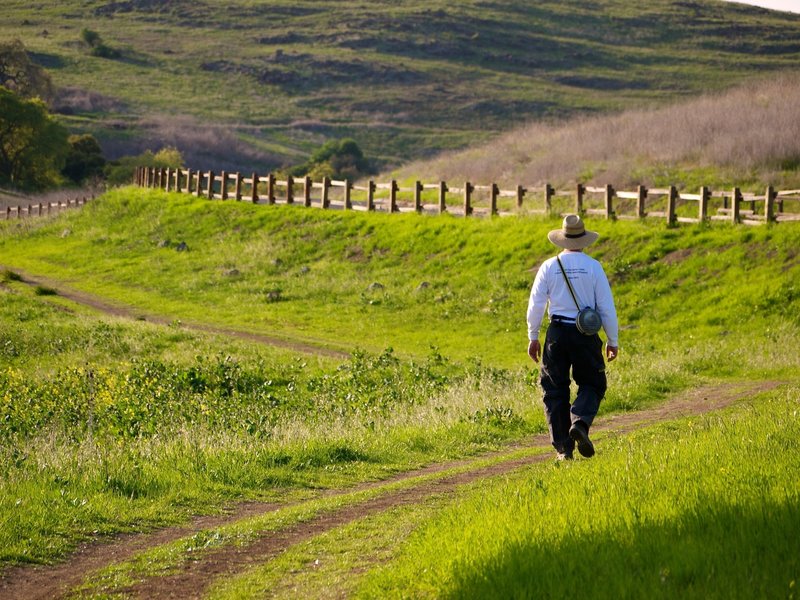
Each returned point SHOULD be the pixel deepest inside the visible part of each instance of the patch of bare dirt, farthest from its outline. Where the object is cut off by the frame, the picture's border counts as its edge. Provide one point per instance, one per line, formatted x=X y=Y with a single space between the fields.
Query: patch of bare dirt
x=676 y=256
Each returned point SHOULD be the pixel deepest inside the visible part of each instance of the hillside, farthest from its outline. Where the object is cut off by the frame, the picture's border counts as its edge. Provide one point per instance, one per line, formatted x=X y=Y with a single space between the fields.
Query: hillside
x=247 y=83
x=349 y=279
x=748 y=136
x=139 y=389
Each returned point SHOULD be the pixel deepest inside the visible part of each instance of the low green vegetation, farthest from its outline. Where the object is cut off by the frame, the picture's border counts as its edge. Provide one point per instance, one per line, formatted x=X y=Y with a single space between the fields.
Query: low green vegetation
x=116 y=425
x=699 y=508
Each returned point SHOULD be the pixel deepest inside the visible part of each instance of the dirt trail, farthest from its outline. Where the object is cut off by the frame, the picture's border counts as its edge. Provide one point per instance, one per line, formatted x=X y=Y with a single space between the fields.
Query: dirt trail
x=129 y=312
x=194 y=578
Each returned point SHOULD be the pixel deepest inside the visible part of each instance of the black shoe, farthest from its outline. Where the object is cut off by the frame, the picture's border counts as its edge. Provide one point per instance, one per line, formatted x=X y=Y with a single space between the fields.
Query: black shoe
x=579 y=432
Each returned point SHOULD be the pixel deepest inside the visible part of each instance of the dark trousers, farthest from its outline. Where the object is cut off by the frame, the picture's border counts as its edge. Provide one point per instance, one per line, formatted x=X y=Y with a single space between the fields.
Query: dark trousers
x=565 y=347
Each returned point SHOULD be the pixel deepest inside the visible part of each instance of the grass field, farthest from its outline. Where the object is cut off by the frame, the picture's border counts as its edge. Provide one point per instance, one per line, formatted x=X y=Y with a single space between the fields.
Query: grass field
x=704 y=508
x=404 y=79
x=115 y=424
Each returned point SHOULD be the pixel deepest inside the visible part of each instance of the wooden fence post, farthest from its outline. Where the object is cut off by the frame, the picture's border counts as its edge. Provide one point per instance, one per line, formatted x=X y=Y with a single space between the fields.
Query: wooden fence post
x=8 y=212
x=609 y=201
x=393 y=196
x=223 y=185
x=641 y=201
x=326 y=185
x=418 y=197
x=289 y=189
x=442 y=197
x=493 y=193
x=348 y=188
x=736 y=202
x=189 y=181
x=705 y=196
x=549 y=192
x=237 y=182
x=271 y=189
x=672 y=201
x=165 y=179
x=468 y=189
x=580 y=190
x=370 y=195
x=178 y=177
x=769 y=204
x=254 y=188
x=520 y=195
x=199 y=187
x=210 y=185
x=307 y=191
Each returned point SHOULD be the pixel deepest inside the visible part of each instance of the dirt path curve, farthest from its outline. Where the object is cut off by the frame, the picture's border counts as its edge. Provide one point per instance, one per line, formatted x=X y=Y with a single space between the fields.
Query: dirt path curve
x=129 y=312
x=195 y=577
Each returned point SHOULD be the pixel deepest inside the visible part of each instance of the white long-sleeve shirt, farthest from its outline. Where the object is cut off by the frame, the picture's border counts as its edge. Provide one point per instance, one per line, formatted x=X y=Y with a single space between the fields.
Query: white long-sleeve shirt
x=591 y=287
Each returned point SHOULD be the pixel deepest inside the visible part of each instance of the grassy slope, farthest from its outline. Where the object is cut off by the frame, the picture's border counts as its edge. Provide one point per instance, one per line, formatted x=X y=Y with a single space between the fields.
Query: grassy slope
x=691 y=280
x=695 y=303
x=700 y=508
x=403 y=79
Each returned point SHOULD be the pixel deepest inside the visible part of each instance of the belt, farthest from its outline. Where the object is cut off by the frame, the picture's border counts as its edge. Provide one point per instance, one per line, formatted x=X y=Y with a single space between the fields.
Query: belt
x=563 y=320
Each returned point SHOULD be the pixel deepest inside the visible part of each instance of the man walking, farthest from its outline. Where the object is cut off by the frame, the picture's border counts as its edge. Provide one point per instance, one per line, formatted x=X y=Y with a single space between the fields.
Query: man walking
x=566 y=281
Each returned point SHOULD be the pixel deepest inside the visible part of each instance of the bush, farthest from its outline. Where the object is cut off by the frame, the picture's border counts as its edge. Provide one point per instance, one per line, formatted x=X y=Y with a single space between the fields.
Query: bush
x=121 y=171
x=85 y=158
x=337 y=159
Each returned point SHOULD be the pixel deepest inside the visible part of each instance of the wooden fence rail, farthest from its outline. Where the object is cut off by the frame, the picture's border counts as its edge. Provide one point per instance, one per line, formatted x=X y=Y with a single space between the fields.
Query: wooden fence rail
x=468 y=198
x=40 y=209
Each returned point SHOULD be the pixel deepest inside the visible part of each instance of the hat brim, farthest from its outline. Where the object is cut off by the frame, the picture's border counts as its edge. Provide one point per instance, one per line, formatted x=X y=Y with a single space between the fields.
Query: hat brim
x=559 y=238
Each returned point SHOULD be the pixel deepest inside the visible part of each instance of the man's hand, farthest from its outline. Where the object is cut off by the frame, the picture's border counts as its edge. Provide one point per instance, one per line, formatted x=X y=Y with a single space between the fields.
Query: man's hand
x=611 y=352
x=534 y=350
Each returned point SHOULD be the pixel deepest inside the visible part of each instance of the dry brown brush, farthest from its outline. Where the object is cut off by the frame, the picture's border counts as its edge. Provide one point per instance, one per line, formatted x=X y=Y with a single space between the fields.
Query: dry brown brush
x=754 y=127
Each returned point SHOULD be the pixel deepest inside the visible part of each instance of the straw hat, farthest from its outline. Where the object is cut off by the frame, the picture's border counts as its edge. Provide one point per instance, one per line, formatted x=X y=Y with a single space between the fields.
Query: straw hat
x=572 y=235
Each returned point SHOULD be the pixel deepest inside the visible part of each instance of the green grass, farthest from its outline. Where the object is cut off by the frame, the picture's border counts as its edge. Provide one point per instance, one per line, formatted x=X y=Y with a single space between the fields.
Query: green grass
x=700 y=508
x=116 y=425
x=405 y=79
x=112 y=426
x=162 y=560
x=696 y=280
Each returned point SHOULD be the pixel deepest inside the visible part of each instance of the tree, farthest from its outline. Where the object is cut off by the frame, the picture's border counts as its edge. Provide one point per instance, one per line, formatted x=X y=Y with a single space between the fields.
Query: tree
x=33 y=145
x=120 y=171
x=338 y=159
x=21 y=75
x=84 y=159
x=96 y=45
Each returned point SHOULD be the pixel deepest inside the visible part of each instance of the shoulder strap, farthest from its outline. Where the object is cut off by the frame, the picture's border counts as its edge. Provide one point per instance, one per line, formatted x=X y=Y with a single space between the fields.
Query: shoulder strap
x=569 y=285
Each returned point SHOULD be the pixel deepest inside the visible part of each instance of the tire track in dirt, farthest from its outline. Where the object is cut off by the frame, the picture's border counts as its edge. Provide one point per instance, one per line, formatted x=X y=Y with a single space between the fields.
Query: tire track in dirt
x=194 y=577
x=129 y=312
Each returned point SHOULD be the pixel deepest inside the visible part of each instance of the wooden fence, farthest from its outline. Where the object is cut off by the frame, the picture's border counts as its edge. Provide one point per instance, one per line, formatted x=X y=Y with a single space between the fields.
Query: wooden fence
x=470 y=199
x=43 y=208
